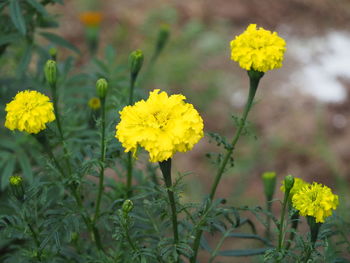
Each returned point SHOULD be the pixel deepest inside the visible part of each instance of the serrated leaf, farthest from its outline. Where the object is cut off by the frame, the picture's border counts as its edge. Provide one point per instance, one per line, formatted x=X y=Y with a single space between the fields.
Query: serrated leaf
x=38 y=7
x=56 y=39
x=242 y=252
x=17 y=17
x=7 y=172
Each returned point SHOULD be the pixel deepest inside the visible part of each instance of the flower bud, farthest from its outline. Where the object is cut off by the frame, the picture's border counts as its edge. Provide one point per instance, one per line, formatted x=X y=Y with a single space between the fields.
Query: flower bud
x=16 y=183
x=163 y=37
x=101 y=88
x=51 y=72
x=15 y=180
x=94 y=103
x=127 y=206
x=53 y=53
x=74 y=236
x=135 y=61
x=288 y=183
x=269 y=181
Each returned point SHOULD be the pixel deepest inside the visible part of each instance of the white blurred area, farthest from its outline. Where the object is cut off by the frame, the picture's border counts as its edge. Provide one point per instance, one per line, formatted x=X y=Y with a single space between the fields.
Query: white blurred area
x=324 y=61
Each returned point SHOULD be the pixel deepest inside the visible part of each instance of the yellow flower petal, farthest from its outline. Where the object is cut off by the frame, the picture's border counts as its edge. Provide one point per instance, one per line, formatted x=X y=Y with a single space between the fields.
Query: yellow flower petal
x=258 y=49
x=29 y=111
x=315 y=200
x=162 y=125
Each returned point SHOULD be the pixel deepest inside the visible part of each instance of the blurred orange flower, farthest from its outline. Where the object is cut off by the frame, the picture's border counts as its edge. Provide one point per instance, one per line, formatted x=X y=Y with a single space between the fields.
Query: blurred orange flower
x=91 y=19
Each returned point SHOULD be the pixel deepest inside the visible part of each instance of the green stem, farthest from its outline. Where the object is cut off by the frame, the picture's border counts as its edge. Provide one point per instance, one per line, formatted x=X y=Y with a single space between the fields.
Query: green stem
x=43 y=140
x=59 y=127
x=87 y=221
x=252 y=90
x=314 y=229
x=294 y=227
x=130 y=163
x=102 y=160
x=36 y=240
x=90 y=226
x=165 y=166
x=132 y=87
x=254 y=82
x=218 y=246
x=268 y=219
x=281 y=225
x=131 y=243
x=129 y=175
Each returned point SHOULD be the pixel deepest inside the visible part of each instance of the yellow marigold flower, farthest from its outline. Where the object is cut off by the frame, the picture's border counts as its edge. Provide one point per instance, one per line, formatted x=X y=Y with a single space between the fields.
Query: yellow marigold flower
x=298 y=184
x=91 y=19
x=15 y=180
x=162 y=125
x=94 y=103
x=315 y=200
x=29 y=111
x=258 y=49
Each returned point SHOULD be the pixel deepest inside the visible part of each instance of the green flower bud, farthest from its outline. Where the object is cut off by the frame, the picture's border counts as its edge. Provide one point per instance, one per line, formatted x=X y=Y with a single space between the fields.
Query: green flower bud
x=16 y=183
x=51 y=72
x=163 y=37
x=53 y=53
x=288 y=183
x=74 y=236
x=135 y=60
x=127 y=206
x=101 y=88
x=269 y=181
x=15 y=180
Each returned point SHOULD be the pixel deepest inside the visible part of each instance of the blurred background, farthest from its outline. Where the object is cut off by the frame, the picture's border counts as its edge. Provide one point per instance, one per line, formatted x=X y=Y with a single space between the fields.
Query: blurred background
x=300 y=123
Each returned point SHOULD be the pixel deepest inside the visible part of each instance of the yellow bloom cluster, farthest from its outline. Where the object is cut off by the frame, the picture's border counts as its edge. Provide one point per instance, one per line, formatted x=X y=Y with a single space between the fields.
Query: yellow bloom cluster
x=91 y=19
x=315 y=200
x=29 y=111
x=298 y=184
x=94 y=103
x=162 y=125
x=258 y=49
x=15 y=180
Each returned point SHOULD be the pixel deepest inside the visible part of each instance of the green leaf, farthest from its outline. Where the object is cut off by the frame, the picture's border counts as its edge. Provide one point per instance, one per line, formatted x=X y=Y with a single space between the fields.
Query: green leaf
x=24 y=163
x=9 y=38
x=60 y=41
x=242 y=252
x=25 y=60
x=249 y=236
x=16 y=16
x=7 y=172
x=38 y=7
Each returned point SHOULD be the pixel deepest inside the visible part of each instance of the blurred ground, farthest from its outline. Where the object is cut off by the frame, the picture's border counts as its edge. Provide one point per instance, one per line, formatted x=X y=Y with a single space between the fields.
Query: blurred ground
x=298 y=131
